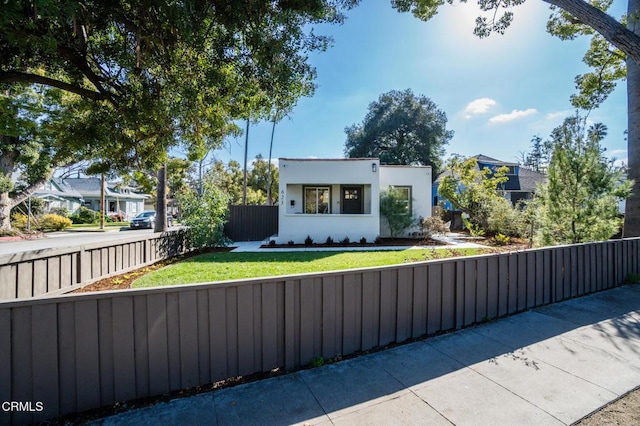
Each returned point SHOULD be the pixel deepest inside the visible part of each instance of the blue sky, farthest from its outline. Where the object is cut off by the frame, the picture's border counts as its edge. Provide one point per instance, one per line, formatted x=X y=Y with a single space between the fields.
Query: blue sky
x=497 y=92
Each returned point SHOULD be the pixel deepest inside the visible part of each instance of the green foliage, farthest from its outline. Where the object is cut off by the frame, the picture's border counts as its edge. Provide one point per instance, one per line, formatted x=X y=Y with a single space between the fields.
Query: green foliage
x=308 y=241
x=19 y=221
x=401 y=128
x=230 y=179
x=501 y=239
x=317 y=361
x=205 y=215
x=53 y=222
x=580 y=201
x=85 y=215
x=474 y=229
x=344 y=242
x=329 y=241
x=60 y=211
x=478 y=194
x=393 y=206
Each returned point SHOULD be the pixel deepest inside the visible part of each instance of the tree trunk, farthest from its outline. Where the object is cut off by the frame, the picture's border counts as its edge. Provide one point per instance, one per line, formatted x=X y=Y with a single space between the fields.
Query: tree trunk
x=269 y=200
x=161 y=201
x=5 y=211
x=246 y=151
x=632 y=209
x=625 y=39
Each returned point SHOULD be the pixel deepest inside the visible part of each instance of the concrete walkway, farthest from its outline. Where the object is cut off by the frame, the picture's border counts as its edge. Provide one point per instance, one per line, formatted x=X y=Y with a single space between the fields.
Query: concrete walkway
x=549 y=366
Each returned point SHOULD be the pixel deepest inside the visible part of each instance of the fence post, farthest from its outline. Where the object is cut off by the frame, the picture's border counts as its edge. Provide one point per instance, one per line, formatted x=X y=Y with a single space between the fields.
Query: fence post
x=84 y=266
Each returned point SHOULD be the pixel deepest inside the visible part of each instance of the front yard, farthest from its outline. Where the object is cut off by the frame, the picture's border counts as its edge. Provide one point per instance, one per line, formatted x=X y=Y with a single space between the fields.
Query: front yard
x=221 y=266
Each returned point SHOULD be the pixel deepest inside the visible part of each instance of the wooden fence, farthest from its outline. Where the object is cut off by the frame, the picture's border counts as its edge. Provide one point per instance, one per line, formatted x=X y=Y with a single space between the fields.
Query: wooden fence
x=59 y=270
x=251 y=223
x=78 y=352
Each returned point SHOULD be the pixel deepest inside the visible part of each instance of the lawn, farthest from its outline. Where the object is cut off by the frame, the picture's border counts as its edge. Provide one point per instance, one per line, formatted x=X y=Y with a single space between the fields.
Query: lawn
x=228 y=266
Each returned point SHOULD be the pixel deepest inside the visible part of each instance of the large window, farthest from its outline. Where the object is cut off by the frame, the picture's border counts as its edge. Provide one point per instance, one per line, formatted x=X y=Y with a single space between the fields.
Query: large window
x=316 y=199
x=405 y=195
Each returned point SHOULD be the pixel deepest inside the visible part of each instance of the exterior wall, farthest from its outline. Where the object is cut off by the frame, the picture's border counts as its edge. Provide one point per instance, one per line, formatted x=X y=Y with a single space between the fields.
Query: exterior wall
x=83 y=351
x=419 y=179
x=295 y=174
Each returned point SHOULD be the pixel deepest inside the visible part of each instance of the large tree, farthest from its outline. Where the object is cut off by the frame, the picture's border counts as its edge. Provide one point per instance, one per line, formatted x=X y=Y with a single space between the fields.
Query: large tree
x=401 y=128
x=613 y=40
x=580 y=201
x=146 y=76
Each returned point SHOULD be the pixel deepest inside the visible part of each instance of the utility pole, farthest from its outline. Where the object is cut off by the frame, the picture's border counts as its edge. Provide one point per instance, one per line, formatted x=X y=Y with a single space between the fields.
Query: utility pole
x=102 y=200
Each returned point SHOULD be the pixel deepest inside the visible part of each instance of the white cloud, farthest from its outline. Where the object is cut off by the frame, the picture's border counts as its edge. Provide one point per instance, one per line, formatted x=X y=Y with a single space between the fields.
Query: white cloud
x=479 y=106
x=557 y=115
x=513 y=115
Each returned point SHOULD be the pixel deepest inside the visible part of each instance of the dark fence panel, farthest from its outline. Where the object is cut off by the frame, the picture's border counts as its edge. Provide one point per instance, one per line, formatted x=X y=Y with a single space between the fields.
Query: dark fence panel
x=60 y=270
x=84 y=351
x=251 y=223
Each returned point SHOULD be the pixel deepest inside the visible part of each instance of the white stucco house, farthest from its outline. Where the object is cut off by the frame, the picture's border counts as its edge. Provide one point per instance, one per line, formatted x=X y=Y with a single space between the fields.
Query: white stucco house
x=341 y=197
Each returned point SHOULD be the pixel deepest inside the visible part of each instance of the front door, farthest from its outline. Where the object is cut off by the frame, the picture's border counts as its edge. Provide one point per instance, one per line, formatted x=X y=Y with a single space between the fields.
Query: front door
x=352 y=199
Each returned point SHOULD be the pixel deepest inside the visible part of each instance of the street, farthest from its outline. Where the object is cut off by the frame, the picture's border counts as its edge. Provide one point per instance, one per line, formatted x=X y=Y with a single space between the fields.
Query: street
x=68 y=239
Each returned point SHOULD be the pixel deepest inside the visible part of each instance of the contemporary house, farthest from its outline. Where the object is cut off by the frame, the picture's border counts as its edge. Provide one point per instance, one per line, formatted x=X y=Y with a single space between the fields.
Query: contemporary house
x=340 y=198
x=72 y=193
x=521 y=183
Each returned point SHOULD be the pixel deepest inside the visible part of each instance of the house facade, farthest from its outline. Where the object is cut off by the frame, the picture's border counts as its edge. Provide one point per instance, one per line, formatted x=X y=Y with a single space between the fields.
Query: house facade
x=72 y=193
x=521 y=183
x=340 y=198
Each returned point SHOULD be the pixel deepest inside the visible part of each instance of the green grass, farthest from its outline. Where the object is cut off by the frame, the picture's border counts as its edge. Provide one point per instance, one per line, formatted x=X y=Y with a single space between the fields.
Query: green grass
x=227 y=266
x=97 y=225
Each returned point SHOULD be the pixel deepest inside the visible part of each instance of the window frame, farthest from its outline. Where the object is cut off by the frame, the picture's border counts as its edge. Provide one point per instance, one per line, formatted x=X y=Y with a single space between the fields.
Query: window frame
x=317 y=189
x=409 y=189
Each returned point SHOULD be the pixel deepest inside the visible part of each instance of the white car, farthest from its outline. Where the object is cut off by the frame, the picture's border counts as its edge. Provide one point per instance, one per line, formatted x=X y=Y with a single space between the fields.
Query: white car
x=147 y=219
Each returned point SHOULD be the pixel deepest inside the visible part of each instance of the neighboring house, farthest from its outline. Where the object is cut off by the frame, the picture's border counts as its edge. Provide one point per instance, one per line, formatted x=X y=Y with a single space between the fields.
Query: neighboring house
x=340 y=198
x=56 y=194
x=521 y=183
x=75 y=192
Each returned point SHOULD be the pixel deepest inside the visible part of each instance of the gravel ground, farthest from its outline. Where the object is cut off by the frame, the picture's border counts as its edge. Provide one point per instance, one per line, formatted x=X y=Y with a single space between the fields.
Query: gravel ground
x=623 y=412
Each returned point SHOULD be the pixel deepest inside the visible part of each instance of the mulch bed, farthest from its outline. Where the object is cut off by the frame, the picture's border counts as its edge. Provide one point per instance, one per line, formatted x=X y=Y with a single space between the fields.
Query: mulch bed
x=382 y=242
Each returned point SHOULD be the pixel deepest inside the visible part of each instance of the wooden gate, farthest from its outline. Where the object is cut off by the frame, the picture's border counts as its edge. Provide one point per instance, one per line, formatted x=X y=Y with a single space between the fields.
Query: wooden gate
x=251 y=223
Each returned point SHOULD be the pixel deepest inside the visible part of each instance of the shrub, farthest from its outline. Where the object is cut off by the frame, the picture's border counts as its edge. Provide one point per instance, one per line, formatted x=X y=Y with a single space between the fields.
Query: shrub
x=205 y=215
x=378 y=240
x=363 y=240
x=85 y=215
x=501 y=239
x=54 y=222
x=290 y=242
x=329 y=241
x=433 y=225
x=60 y=211
x=308 y=241
x=393 y=206
x=19 y=220
x=272 y=243
x=345 y=241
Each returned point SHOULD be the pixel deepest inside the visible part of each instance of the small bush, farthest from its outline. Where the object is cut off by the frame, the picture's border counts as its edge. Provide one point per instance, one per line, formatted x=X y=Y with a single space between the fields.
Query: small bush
x=19 y=221
x=60 y=211
x=345 y=241
x=85 y=215
x=329 y=241
x=378 y=240
x=272 y=243
x=501 y=239
x=290 y=242
x=54 y=222
x=308 y=241
x=317 y=361
x=432 y=226
x=363 y=240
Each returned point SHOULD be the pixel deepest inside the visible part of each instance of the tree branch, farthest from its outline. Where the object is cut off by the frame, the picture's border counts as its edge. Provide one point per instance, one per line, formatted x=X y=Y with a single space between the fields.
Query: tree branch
x=21 y=77
x=612 y=30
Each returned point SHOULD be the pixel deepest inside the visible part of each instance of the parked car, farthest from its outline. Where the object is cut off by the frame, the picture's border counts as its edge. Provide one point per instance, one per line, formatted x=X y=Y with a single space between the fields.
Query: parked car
x=147 y=219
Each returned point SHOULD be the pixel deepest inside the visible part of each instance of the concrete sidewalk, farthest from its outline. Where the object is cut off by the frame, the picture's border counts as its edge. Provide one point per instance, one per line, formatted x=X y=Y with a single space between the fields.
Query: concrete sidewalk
x=552 y=365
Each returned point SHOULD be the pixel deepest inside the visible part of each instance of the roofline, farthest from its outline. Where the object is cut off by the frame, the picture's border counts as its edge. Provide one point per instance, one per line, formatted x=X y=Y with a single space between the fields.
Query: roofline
x=328 y=159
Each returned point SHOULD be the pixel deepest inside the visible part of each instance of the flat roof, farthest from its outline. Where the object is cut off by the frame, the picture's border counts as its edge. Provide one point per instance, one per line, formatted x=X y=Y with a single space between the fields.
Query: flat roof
x=328 y=159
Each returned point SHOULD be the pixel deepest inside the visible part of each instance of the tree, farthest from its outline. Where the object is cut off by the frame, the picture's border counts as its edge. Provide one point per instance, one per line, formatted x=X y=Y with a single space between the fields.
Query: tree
x=580 y=201
x=264 y=178
x=478 y=193
x=614 y=40
x=142 y=77
x=205 y=215
x=393 y=206
x=538 y=158
x=401 y=128
x=230 y=181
